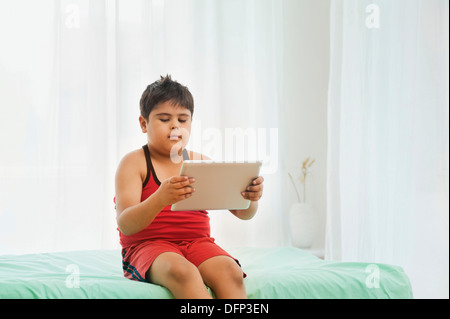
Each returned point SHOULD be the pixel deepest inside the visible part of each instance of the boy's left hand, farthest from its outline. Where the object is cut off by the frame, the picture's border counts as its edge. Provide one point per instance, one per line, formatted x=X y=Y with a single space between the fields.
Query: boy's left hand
x=255 y=190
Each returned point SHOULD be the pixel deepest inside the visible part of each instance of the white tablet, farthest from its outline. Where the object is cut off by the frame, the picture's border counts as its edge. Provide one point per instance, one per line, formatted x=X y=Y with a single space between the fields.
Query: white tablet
x=218 y=185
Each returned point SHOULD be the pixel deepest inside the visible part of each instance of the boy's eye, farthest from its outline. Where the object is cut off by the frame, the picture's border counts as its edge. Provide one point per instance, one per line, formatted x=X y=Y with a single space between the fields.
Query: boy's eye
x=167 y=120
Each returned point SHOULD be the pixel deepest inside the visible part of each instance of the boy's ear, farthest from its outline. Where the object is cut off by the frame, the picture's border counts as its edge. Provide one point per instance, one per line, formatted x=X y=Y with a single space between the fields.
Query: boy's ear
x=143 y=123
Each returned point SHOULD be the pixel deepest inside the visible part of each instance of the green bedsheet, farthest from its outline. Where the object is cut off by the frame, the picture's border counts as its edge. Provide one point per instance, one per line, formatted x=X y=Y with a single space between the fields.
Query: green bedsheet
x=285 y=273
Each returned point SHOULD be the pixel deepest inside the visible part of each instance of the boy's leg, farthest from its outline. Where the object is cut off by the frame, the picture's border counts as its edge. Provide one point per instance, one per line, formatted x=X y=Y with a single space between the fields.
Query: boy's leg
x=224 y=276
x=177 y=274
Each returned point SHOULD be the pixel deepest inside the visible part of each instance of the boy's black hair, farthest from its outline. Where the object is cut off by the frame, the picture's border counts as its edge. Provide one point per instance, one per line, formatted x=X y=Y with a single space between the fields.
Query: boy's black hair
x=165 y=90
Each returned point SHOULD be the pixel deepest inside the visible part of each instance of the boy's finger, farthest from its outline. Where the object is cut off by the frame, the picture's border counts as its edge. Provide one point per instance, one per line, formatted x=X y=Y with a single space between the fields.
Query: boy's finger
x=256 y=188
x=186 y=190
x=184 y=184
x=177 y=179
x=258 y=180
x=181 y=179
x=251 y=195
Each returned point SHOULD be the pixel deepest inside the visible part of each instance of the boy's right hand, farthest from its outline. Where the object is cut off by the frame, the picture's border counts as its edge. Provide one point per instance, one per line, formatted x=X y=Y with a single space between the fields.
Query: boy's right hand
x=174 y=189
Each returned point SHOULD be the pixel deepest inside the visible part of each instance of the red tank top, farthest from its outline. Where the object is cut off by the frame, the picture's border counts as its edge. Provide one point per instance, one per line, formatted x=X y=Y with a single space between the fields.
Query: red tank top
x=168 y=225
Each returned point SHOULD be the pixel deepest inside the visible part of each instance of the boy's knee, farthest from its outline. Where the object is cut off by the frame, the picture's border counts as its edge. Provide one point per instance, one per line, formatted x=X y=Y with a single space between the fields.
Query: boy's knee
x=234 y=273
x=182 y=272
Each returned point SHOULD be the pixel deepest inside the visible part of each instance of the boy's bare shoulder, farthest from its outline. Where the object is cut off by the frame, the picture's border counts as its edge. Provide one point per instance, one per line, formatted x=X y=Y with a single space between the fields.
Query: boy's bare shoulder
x=133 y=157
x=133 y=162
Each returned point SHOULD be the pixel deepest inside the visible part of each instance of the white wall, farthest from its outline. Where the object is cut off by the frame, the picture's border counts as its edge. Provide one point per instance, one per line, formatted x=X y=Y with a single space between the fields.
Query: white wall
x=306 y=72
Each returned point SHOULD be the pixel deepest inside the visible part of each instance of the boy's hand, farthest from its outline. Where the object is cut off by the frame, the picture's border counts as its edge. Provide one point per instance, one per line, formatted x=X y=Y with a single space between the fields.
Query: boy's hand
x=174 y=189
x=255 y=190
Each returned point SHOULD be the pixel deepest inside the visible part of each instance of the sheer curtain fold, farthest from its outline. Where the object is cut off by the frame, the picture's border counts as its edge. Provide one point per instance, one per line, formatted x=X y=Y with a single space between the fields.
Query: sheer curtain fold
x=388 y=138
x=71 y=76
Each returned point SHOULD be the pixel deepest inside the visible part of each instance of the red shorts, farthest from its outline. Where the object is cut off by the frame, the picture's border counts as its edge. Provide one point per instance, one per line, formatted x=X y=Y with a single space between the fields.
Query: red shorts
x=136 y=260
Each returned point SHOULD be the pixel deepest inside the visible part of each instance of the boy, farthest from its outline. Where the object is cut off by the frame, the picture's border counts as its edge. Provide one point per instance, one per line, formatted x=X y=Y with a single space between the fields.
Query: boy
x=171 y=249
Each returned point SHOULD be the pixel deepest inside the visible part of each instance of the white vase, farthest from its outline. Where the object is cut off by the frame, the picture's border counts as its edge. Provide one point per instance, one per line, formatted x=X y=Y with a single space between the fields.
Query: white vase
x=303 y=224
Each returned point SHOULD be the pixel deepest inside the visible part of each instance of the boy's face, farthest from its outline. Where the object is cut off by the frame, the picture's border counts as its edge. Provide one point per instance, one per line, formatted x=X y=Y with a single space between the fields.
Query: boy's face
x=166 y=126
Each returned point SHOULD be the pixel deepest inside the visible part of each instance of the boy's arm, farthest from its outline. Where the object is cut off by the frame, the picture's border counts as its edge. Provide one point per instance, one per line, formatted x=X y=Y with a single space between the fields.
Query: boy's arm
x=246 y=214
x=132 y=214
x=253 y=193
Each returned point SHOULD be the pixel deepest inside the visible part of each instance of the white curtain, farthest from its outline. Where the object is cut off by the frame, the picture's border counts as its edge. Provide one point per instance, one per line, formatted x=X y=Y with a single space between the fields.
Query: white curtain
x=71 y=76
x=388 y=138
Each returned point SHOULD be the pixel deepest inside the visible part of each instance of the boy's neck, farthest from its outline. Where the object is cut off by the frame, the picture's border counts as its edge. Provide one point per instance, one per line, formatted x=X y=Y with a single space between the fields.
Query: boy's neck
x=162 y=157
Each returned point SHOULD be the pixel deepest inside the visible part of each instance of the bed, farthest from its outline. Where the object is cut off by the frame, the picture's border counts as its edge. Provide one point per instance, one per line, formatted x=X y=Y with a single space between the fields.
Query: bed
x=275 y=273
